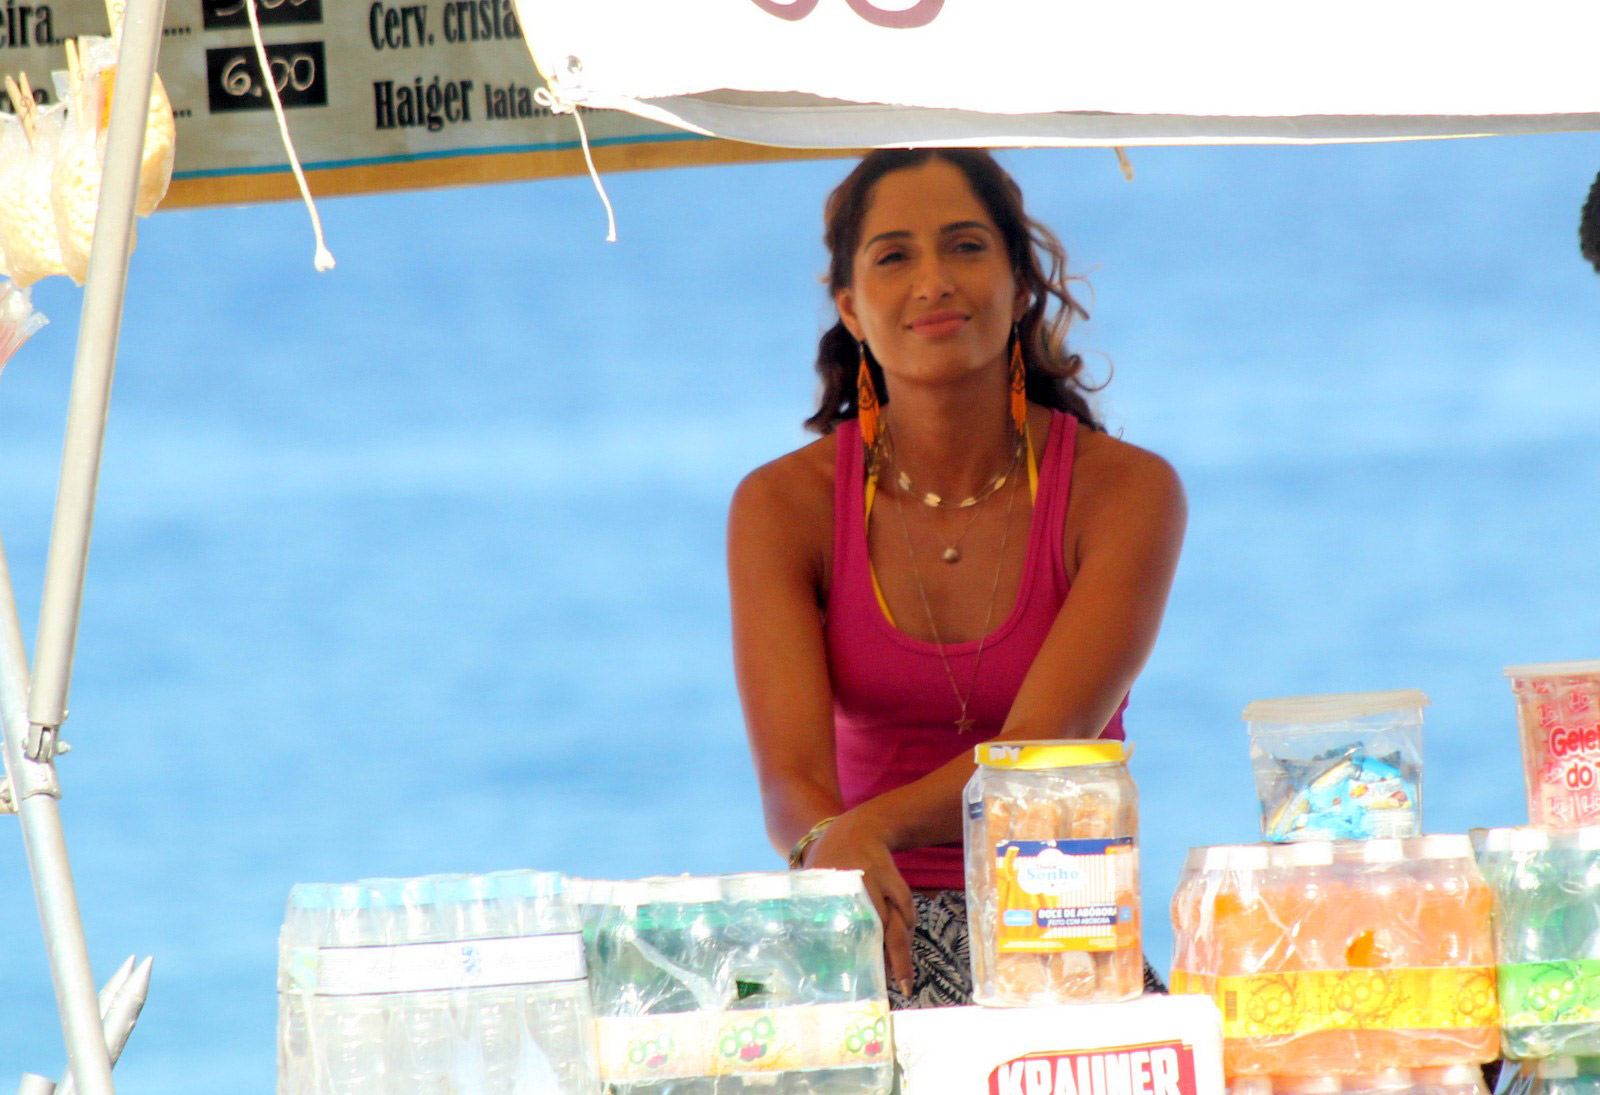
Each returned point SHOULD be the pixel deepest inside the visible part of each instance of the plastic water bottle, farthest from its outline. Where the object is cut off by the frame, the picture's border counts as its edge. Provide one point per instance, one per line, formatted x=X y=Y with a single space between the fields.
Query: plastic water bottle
x=652 y=1009
x=422 y=1041
x=840 y=940
x=760 y=1030
x=348 y=1031
x=1558 y=1076
x=303 y=924
x=1546 y=887
x=558 y=1044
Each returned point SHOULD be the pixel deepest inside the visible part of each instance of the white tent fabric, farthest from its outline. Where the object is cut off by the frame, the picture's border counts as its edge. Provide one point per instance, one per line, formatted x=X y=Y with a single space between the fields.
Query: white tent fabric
x=856 y=73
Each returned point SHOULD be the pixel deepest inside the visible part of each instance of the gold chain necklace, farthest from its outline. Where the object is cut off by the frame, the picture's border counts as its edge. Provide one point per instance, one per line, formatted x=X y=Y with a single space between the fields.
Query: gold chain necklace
x=963 y=723
x=952 y=548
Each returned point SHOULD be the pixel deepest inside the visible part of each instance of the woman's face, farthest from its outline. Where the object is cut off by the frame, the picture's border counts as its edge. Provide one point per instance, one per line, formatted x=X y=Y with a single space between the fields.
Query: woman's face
x=932 y=292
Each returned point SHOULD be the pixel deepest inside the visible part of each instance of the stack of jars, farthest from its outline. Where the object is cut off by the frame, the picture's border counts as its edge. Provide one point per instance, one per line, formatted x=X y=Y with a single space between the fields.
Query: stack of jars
x=1546 y=883
x=1350 y=954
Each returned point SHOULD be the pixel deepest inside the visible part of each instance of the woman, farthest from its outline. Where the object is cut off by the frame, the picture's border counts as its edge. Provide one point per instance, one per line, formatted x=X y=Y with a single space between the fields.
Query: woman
x=900 y=588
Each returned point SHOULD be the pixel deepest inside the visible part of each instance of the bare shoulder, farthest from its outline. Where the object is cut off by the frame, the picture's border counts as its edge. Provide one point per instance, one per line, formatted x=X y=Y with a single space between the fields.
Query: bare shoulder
x=1122 y=493
x=787 y=505
x=792 y=485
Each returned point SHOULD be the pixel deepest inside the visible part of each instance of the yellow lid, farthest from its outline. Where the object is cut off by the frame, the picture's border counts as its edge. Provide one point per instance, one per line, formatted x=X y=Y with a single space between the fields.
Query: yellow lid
x=1047 y=754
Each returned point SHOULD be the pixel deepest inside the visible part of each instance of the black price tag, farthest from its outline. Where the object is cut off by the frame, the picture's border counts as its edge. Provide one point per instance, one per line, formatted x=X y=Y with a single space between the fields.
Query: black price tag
x=233 y=77
x=217 y=14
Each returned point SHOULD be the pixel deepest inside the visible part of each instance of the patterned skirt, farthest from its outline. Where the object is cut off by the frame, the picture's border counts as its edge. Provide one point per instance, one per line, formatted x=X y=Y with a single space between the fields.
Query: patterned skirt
x=940 y=953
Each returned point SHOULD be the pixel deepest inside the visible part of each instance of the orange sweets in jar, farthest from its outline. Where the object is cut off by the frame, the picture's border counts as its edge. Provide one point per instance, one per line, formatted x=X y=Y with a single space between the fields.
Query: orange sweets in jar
x=1053 y=873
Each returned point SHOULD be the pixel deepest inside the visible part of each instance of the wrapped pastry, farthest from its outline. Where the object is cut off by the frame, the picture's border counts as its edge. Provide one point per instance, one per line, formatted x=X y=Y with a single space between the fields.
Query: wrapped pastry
x=27 y=220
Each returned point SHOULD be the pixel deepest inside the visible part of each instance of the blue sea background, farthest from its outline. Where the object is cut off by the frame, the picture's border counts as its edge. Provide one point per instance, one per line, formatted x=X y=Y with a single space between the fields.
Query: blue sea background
x=417 y=565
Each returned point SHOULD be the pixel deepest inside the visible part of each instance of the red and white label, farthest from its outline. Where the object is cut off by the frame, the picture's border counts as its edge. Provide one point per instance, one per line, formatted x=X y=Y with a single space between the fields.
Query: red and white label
x=1164 y=1068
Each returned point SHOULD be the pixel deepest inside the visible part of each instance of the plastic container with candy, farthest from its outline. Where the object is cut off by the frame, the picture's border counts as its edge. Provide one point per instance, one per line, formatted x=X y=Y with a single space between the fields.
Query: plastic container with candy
x=1052 y=860
x=1558 y=714
x=1338 y=767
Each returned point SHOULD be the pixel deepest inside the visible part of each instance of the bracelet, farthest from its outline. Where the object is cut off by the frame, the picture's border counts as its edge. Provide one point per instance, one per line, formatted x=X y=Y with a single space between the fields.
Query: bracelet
x=797 y=854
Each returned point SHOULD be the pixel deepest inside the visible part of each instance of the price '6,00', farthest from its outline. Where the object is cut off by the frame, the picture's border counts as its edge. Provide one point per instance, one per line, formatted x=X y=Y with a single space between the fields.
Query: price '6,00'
x=298 y=75
x=296 y=70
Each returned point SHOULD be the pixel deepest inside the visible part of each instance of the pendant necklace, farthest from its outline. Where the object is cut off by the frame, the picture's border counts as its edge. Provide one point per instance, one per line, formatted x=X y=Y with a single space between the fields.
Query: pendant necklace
x=963 y=723
x=952 y=548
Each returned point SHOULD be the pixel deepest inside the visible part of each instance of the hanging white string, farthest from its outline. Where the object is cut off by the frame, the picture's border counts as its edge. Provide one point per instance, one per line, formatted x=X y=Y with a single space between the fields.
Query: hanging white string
x=323 y=260
x=545 y=98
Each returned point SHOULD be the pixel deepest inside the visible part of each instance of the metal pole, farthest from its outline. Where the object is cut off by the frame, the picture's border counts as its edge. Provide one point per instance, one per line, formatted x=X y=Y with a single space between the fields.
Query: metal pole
x=91 y=377
x=31 y=769
x=34 y=787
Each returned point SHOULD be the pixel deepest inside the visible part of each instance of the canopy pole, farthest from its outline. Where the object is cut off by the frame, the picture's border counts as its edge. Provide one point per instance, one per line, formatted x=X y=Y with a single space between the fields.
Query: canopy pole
x=35 y=792
x=67 y=564
x=91 y=377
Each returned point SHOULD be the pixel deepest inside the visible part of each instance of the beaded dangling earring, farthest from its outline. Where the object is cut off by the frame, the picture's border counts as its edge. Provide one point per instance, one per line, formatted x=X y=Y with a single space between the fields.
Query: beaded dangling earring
x=1019 y=387
x=867 y=408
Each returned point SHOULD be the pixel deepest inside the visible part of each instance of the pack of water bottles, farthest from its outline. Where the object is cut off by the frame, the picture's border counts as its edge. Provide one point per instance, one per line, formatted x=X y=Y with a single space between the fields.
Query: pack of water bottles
x=770 y=983
x=434 y=986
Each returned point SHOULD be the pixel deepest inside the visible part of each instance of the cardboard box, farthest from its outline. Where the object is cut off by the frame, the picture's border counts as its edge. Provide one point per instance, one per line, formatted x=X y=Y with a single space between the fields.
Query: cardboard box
x=1155 y=1045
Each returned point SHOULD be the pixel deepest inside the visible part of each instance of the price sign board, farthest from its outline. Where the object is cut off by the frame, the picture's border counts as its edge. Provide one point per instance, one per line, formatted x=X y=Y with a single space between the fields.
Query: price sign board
x=378 y=95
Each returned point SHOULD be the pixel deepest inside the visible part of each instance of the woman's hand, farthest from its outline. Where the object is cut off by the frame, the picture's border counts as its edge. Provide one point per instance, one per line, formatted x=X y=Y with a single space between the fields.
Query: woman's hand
x=856 y=841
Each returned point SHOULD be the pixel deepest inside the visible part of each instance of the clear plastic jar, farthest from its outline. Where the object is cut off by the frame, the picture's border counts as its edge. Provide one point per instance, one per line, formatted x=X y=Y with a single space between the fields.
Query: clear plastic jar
x=1052 y=857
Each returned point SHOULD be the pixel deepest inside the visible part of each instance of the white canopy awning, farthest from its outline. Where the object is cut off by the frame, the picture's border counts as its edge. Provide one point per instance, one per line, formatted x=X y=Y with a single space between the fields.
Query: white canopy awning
x=857 y=73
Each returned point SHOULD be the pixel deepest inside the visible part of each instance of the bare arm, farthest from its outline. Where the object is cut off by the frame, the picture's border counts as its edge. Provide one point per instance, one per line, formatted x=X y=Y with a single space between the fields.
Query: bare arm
x=779 y=525
x=774 y=581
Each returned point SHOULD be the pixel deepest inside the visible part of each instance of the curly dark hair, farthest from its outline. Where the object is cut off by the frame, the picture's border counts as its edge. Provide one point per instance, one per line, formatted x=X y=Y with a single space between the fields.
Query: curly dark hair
x=1589 y=226
x=1054 y=375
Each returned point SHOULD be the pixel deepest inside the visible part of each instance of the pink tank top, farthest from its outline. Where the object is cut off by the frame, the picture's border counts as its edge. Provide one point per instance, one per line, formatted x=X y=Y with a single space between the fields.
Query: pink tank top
x=893 y=708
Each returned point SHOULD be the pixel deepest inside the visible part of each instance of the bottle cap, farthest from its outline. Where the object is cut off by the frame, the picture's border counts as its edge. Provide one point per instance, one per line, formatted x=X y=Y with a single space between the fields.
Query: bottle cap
x=349 y=895
x=1448 y=1076
x=1389 y=1079
x=1387 y=850
x=386 y=893
x=1307 y=1085
x=1301 y=854
x=1521 y=838
x=1247 y=857
x=1439 y=846
x=309 y=896
x=757 y=886
x=684 y=890
x=830 y=883
x=1031 y=755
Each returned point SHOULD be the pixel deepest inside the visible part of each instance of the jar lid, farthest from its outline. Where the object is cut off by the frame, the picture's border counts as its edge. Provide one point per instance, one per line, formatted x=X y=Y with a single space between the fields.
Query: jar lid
x=1554 y=669
x=1334 y=707
x=1024 y=755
